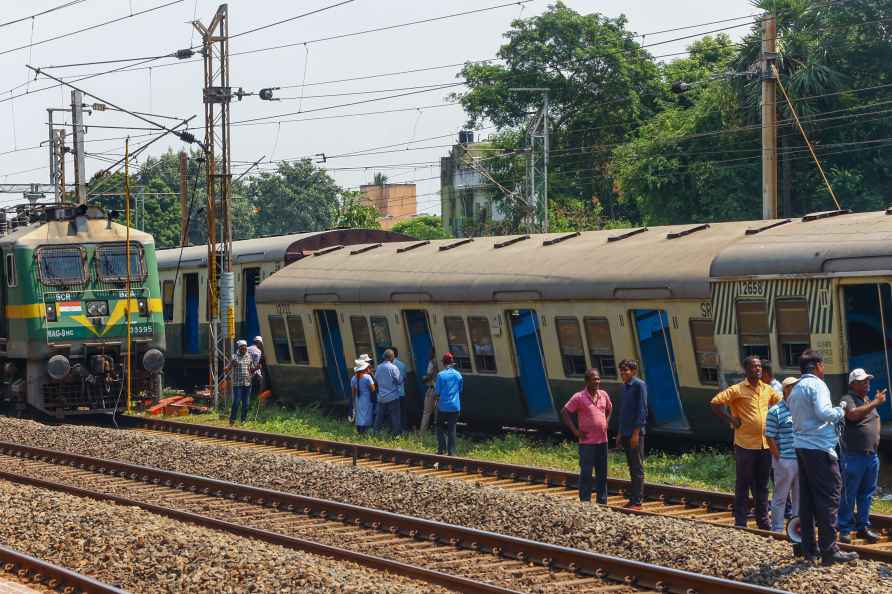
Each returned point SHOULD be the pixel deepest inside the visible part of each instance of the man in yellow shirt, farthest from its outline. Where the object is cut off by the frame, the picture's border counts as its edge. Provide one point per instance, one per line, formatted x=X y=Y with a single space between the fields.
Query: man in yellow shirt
x=748 y=403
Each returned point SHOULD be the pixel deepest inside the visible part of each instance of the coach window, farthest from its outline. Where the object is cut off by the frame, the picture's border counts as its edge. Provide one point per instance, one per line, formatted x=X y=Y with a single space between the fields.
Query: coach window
x=600 y=346
x=280 y=339
x=167 y=288
x=792 y=329
x=457 y=339
x=481 y=341
x=570 y=342
x=362 y=339
x=381 y=335
x=752 y=328
x=705 y=353
x=298 y=340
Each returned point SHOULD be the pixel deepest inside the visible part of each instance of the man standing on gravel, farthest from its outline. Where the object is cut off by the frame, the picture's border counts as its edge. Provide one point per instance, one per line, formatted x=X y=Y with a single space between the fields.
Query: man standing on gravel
x=749 y=402
x=242 y=371
x=779 y=432
x=592 y=408
x=632 y=423
x=862 y=464
x=389 y=381
x=815 y=440
x=448 y=388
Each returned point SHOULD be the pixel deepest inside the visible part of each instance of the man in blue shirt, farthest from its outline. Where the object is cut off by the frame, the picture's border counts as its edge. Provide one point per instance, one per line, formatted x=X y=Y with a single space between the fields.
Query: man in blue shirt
x=632 y=424
x=448 y=388
x=390 y=382
x=815 y=440
x=404 y=411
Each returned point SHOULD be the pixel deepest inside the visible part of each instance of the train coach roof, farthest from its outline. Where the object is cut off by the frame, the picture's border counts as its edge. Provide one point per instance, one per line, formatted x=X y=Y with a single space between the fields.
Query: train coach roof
x=660 y=262
x=816 y=244
x=281 y=248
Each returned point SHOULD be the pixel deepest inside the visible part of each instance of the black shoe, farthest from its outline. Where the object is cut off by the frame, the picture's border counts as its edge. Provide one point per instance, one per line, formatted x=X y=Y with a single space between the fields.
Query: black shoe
x=839 y=557
x=845 y=538
x=869 y=535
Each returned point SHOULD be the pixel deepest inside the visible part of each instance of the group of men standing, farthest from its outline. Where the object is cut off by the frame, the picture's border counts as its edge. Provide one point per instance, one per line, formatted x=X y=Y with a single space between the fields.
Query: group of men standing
x=378 y=396
x=824 y=458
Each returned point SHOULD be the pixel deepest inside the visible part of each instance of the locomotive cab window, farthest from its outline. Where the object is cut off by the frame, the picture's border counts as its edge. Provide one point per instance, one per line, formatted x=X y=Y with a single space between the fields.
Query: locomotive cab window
x=11 y=279
x=752 y=328
x=111 y=263
x=793 y=333
x=600 y=346
x=381 y=335
x=298 y=340
x=362 y=339
x=61 y=266
x=481 y=341
x=280 y=339
x=570 y=342
x=457 y=339
x=705 y=353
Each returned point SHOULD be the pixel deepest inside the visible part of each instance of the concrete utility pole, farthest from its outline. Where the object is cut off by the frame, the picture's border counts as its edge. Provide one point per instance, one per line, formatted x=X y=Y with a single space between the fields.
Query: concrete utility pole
x=769 y=119
x=77 y=124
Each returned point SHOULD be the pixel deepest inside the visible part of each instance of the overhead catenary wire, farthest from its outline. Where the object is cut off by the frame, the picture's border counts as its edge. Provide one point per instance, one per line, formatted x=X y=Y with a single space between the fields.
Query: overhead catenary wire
x=42 y=13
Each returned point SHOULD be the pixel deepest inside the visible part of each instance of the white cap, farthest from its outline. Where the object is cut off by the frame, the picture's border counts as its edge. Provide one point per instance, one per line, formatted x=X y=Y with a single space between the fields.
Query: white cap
x=240 y=342
x=789 y=381
x=360 y=365
x=258 y=339
x=858 y=375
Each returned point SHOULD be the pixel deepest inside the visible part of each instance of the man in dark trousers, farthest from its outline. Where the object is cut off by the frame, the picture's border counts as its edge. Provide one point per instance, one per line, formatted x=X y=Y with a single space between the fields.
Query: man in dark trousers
x=632 y=424
x=592 y=408
x=815 y=440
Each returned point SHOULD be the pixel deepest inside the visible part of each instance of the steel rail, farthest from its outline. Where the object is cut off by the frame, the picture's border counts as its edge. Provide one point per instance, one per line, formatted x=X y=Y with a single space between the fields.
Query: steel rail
x=51 y=575
x=632 y=573
x=669 y=494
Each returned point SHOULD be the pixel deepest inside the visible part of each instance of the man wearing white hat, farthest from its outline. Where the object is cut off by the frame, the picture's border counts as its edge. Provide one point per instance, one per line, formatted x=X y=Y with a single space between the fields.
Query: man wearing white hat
x=862 y=464
x=242 y=369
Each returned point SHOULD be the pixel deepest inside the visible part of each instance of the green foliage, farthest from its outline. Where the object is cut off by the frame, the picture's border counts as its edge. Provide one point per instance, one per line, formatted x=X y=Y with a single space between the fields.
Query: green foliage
x=297 y=197
x=380 y=179
x=354 y=215
x=423 y=227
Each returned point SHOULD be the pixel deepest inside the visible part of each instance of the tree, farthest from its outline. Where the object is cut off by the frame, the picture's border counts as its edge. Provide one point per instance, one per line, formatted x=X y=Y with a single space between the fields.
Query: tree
x=380 y=179
x=298 y=197
x=355 y=215
x=423 y=227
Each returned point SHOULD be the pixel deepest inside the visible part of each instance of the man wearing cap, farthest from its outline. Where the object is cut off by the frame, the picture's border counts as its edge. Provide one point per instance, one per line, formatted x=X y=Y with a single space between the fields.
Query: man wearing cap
x=862 y=464
x=390 y=382
x=242 y=370
x=779 y=433
x=815 y=440
x=257 y=358
x=448 y=387
x=748 y=403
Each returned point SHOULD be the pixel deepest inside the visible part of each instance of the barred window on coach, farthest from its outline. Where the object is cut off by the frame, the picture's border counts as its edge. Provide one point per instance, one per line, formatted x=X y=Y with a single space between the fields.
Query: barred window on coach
x=793 y=333
x=457 y=338
x=570 y=343
x=300 y=353
x=280 y=339
x=600 y=346
x=481 y=340
x=362 y=338
x=705 y=353
x=753 y=329
x=381 y=335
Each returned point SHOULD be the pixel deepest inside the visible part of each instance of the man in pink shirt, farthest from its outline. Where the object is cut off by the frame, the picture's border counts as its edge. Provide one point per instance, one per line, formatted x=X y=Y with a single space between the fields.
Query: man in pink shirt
x=592 y=408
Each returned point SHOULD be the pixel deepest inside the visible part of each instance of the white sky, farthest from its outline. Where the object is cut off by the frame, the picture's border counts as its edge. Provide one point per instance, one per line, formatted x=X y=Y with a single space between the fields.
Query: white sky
x=176 y=90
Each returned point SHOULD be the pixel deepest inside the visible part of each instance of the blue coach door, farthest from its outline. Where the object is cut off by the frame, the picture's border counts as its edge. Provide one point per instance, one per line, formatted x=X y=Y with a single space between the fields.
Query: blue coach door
x=658 y=363
x=421 y=342
x=336 y=372
x=190 y=317
x=531 y=365
x=252 y=322
x=869 y=338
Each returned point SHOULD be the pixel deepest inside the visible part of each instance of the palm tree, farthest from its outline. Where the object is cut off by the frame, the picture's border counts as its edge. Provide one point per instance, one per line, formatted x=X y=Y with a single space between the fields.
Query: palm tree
x=380 y=179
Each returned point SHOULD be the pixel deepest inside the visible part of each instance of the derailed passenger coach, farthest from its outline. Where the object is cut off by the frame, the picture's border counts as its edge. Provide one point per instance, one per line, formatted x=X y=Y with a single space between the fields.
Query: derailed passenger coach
x=64 y=324
x=526 y=315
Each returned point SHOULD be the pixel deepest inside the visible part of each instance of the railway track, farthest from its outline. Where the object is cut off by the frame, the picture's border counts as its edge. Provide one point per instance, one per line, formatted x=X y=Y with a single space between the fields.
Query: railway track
x=42 y=576
x=665 y=500
x=458 y=558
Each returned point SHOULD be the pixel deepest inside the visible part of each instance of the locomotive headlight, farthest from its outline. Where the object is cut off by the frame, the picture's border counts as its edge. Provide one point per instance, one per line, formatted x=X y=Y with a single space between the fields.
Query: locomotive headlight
x=96 y=309
x=50 y=312
x=143 y=307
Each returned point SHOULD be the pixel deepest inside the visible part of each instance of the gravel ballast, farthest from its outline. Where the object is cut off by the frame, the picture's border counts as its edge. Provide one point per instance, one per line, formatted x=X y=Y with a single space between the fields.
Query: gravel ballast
x=142 y=552
x=691 y=546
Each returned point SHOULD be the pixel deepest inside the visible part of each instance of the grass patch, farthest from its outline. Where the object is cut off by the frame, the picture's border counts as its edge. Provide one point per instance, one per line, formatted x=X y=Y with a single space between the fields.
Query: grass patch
x=705 y=468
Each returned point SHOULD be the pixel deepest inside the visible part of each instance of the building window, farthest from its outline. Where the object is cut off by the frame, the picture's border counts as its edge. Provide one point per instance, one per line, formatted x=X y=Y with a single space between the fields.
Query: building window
x=280 y=339
x=793 y=335
x=752 y=328
x=570 y=342
x=481 y=340
x=298 y=340
x=600 y=346
x=362 y=339
x=457 y=339
x=705 y=353
x=381 y=335
x=167 y=288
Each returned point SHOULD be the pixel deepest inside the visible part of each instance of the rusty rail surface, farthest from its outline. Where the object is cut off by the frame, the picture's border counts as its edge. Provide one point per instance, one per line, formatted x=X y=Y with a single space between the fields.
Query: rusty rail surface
x=669 y=495
x=632 y=573
x=51 y=575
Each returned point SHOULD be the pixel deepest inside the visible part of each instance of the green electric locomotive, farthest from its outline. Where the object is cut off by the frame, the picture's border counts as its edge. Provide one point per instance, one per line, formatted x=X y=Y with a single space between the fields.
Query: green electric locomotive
x=65 y=297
